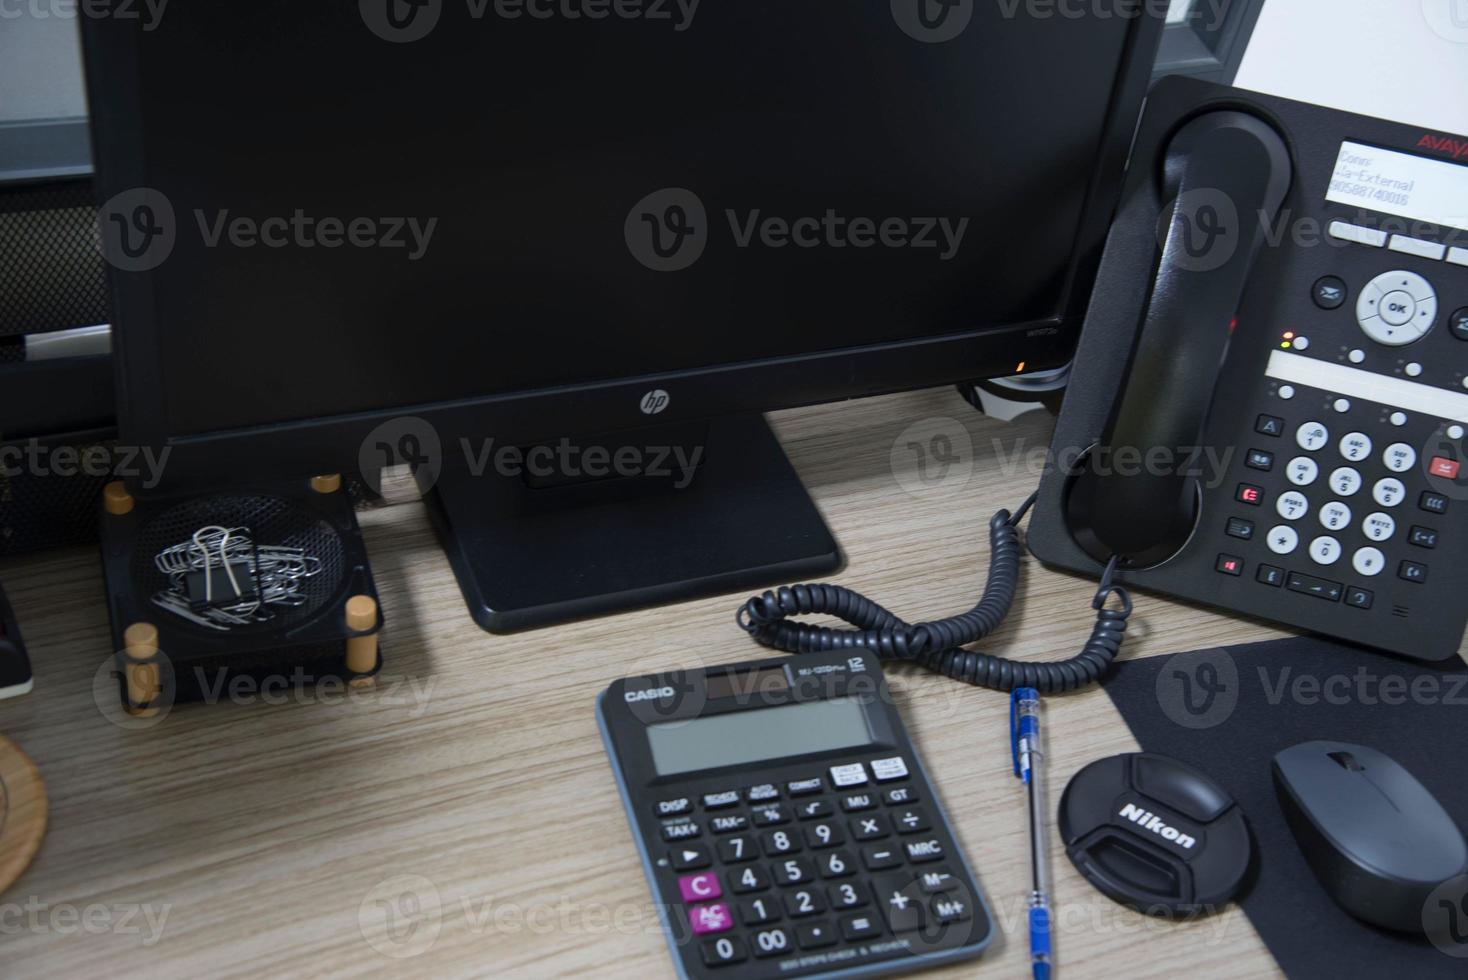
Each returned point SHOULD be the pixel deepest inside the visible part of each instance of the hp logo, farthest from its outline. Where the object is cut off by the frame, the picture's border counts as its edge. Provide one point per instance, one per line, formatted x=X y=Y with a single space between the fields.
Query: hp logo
x=655 y=401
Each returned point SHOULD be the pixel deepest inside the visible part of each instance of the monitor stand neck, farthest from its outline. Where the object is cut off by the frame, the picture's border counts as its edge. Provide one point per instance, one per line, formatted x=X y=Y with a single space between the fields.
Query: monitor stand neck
x=716 y=508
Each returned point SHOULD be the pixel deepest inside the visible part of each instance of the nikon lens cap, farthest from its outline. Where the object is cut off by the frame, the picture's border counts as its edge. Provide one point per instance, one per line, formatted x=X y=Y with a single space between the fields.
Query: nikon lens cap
x=1155 y=834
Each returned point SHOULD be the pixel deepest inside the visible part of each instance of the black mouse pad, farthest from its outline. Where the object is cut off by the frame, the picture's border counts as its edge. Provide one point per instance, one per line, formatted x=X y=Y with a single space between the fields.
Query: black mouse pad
x=1227 y=711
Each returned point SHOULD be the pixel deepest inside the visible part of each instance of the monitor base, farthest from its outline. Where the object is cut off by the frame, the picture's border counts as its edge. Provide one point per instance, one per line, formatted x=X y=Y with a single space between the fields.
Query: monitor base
x=535 y=553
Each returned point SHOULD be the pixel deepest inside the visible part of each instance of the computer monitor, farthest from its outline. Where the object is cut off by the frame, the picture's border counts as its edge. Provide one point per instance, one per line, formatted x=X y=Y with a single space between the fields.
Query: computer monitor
x=431 y=223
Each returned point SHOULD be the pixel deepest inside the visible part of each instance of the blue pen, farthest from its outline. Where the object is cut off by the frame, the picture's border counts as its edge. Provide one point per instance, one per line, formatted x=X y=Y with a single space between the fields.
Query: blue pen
x=1024 y=739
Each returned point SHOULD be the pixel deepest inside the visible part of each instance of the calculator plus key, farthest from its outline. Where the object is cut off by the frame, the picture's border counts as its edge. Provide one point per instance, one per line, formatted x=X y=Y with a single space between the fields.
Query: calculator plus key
x=901 y=901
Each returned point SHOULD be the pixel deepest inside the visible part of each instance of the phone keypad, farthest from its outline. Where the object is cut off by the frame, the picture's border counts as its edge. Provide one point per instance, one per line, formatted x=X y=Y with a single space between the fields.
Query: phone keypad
x=1341 y=524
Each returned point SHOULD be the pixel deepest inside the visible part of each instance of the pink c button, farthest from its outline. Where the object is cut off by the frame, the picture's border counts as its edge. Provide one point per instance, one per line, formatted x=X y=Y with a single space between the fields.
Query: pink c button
x=699 y=888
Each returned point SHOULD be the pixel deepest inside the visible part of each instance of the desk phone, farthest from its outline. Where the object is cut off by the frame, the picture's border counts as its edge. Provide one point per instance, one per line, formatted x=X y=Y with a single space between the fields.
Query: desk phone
x=1271 y=389
x=785 y=822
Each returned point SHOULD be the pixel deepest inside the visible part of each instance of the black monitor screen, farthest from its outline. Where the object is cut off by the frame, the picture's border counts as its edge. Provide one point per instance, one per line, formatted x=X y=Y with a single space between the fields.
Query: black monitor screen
x=390 y=204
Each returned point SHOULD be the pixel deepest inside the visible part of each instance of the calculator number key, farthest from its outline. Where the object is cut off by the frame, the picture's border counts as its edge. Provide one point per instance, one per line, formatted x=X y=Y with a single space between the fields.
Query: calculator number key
x=772 y=942
x=806 y=901
x=749 y=879
x=796 y=871
x=825 y=834
x=759 y=911
x=733 y=850
x=777 y=842
x=724 y=951
x=848 y=895
x=836 y=864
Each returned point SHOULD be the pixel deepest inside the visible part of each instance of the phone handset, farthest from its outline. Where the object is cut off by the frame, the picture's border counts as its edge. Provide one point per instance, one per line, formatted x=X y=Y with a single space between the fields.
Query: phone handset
x=1224 y=177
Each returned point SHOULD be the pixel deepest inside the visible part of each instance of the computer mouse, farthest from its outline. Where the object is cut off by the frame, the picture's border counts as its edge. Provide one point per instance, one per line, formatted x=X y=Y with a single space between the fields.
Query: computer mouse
x=1375 y=837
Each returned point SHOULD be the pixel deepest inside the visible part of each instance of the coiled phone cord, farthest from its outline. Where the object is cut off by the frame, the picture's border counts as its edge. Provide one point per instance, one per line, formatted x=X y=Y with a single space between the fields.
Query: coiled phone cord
x=937 y=645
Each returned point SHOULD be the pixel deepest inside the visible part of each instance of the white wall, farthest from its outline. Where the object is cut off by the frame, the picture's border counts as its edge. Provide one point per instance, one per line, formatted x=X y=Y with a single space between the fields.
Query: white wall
x=1405 y=60
x=1399 y=59
x=40 y=64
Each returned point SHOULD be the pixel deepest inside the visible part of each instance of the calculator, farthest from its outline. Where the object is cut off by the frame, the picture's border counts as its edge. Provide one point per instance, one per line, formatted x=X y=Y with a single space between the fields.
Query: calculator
x=785 y=822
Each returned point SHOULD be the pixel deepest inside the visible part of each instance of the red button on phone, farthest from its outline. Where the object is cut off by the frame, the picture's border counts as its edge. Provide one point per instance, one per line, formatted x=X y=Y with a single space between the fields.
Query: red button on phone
x=1444 y=467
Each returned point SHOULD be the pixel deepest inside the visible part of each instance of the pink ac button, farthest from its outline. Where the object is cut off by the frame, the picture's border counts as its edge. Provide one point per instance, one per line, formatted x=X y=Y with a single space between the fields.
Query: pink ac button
x=710 y=918
x=699 y=888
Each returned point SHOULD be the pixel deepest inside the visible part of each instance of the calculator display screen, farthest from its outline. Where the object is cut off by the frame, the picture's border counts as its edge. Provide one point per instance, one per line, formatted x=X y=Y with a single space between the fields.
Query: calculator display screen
x=742 y=737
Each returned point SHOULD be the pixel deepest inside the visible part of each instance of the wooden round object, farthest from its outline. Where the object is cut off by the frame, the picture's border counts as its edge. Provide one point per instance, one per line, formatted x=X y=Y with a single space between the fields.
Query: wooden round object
x=23 y=811
x=116 y=498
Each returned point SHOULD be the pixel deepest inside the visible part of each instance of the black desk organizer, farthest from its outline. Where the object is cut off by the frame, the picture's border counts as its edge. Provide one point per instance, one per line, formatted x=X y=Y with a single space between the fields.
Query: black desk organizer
x=164 y=659
x=15 y=666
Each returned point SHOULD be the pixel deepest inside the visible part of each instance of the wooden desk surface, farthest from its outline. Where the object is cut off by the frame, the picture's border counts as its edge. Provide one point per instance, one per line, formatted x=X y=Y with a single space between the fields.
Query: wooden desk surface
x=461 y=820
